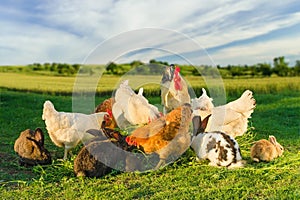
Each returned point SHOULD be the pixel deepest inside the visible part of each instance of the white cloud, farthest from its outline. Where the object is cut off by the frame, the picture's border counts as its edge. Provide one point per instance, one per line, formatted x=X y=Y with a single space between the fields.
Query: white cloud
x=27 y=43
x=259 y=52
x=232 y=26
x=65 y=31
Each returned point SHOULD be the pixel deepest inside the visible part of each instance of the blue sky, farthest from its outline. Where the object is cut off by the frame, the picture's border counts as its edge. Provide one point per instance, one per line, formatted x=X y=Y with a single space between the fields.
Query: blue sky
x=190 y=31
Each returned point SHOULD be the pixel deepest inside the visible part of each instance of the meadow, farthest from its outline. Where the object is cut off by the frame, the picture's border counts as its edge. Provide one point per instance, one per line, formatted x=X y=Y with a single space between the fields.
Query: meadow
x=277 y=113
x=58 y=85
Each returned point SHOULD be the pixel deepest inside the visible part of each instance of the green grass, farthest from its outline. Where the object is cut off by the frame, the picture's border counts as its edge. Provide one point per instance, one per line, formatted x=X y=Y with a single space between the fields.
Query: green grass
x=106 y=83
x=277 y=113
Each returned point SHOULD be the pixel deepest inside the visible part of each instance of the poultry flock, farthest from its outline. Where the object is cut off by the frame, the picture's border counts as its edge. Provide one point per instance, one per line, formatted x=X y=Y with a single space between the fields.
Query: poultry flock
x=166 y=134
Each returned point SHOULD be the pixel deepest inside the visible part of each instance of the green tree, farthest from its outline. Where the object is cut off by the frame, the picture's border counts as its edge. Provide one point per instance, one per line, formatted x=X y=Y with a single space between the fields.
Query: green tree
x=53 y=67
x=297 y=68
x=153 y=61
x=37 y=67
x=195 y=72
x=47 y=66
x=265 y=69
x=60 y=68
x=253 y=70
x=136 y=63
x=280 y=66
x=76 y=67
x=236 y=71
x=112 y=68
x=65 y=69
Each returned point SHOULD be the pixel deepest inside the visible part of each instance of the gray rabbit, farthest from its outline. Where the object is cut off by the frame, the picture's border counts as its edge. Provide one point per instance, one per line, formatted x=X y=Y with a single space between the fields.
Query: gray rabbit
x=107 y=150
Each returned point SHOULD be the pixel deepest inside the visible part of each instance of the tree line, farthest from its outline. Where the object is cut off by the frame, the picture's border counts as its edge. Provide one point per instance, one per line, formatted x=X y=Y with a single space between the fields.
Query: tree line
x=279 y=68
x=59 y=68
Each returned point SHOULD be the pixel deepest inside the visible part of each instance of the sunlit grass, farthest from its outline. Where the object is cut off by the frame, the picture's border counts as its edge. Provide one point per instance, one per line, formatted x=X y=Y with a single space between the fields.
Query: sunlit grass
x=106 y=83
x=277 y=113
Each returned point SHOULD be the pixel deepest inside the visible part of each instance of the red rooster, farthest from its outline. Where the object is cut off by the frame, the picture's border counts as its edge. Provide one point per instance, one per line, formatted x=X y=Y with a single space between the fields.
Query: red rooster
x=174 y=89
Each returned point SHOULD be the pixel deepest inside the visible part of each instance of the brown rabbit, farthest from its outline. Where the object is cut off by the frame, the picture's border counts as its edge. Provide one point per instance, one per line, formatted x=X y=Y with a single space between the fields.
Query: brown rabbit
x=101 y=154
x=264 y=150
x=108 y=150
x=30 y=148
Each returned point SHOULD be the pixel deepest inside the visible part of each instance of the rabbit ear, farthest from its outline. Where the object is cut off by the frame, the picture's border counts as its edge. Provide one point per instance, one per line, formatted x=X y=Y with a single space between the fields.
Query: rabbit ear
x=36 y=143
x=272 y=139
x=204 y=123
x=199 y=125
x=196 y=125
x=95 y=132
x=39 y=136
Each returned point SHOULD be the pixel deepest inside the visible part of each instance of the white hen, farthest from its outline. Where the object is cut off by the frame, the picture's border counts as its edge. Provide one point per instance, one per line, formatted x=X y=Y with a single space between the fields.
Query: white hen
x=131 y=108
x=174 y=89
x=231 y=118
x=68 y=129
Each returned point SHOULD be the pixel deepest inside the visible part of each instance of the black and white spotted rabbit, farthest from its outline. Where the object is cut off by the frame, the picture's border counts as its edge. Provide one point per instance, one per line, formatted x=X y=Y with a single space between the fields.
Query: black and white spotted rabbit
x=217 y=147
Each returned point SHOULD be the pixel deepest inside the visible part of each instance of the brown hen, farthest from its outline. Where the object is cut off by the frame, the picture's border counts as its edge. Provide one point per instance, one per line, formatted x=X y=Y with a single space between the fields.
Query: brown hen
x=106 y=106
x=167 y=136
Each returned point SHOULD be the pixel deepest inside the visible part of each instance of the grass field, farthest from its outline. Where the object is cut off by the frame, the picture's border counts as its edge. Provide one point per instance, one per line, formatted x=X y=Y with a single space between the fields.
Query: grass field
x=277 y=113
x=106 y=83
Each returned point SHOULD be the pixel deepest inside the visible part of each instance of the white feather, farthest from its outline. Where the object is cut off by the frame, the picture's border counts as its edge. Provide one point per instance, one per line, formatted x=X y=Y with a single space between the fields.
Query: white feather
x=231 y=118
x=68 y=129
x=132 y=108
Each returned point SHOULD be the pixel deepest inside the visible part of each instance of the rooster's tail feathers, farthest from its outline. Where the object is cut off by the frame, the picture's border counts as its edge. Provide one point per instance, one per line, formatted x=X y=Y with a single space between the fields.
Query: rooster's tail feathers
x=245 y=104
x=48 y=104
